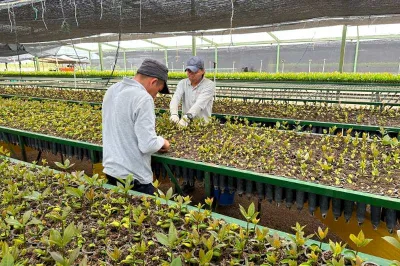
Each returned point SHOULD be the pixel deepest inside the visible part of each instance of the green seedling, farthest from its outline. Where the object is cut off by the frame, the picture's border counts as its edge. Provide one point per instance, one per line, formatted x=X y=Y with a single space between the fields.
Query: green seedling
x=26 y=220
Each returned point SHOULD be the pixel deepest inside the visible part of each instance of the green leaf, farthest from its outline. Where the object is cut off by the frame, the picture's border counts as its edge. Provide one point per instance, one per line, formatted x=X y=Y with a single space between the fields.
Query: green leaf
x=57 y=257
x=74 y=192
x=84 y=261
x=209 y=256
x=176 y=262
x=349 y=254
x=60 y=165
x=69 y=233
x=8 y=260
x=67 y=163
x=46 y=192
x=13 y=222
x=55 y=238
x=251 y=210
x=201 y=255
x=163 y=239
x=73 y=255
x=243 y=211
x=386 y=140
x=34 y=221
x=392 y=241
x=33 y=196
x=172 y=234
x=169 y=194
x=65 y=212
x=354 y=239
x=26 y=216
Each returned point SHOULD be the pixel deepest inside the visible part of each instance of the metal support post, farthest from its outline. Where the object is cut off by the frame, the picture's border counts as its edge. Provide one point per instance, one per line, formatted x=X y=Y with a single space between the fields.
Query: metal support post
x=101 y=57
x=37 y=64
x=309 y=65
x=323 y=66
x=398 y=71
x=125 y=60
x=194 y=52
x=173 y=179
x=278 y=58
x=342 y=48
x=90 y=59
x=56 y=63
x=356 y=54
x=215 y=62
x=166 y=57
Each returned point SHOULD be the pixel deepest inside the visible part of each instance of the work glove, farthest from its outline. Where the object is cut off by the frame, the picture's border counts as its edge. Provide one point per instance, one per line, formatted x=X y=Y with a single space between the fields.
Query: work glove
x=184 y=122
x=174 y=118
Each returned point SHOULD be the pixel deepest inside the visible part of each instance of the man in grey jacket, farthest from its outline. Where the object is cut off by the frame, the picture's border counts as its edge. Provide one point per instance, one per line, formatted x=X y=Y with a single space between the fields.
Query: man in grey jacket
x=197 y=96
x=129 y=136
x=196 y=93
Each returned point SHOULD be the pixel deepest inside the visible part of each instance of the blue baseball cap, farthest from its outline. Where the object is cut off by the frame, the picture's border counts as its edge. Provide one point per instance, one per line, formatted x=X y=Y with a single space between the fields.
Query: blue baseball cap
x=194 y=64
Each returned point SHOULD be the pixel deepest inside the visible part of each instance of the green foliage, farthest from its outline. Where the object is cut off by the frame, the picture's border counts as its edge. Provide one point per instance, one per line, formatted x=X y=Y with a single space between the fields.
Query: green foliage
x=360 y=240
x=191 y=237
x=309 y=77
x=60 y=239
x=65 y=261
x=67 y=164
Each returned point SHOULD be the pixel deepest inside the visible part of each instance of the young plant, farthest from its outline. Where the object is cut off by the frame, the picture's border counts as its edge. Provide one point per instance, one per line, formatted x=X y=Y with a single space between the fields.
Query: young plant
x=39 y=197
x=250 y=215
x=55 y=215
x=65 y=166
x=205 y=258
x=322 y=235
x=77 y=192
x=125 y=185
x=169 y=195
x=337 y=249
x=360 y=241
x=171 y=241
x=27 y=220
x=61 y=240
x=115 y=255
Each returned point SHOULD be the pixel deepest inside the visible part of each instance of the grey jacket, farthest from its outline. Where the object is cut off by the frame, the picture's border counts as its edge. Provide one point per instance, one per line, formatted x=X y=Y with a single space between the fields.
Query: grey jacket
x=129 y=136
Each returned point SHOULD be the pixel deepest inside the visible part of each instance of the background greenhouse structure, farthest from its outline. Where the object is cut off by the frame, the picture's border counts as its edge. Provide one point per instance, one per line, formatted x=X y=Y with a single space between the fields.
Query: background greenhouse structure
x=305 y=128
x=368 y=48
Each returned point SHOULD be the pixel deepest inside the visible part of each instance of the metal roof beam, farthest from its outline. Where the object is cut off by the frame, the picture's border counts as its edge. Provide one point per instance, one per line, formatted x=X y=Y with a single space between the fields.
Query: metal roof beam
x=79 y=48
x=155 y=43
x=273 y=37
x=113 y=46
x=208 y=40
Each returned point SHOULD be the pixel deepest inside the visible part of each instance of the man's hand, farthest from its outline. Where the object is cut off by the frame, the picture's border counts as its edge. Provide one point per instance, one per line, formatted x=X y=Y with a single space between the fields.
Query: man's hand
x=184 y=122
x=174 y=118
x=165 y=147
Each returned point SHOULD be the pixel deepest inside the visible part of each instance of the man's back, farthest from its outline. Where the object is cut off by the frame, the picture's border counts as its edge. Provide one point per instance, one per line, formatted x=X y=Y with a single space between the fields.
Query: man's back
x=129 y=131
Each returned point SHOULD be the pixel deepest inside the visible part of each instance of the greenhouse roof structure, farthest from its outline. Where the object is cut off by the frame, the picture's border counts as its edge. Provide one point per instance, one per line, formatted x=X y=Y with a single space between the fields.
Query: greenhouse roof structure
x=83 y=29
x=23 y=21
x=310 y=35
